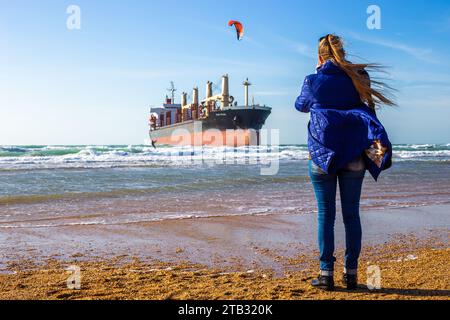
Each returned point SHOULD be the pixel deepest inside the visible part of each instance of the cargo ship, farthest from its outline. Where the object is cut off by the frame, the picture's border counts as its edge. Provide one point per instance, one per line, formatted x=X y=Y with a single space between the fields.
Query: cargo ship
x=217 y=120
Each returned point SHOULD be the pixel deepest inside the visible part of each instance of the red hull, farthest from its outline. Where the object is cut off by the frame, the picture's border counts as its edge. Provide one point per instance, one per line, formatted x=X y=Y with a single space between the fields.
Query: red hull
x=217 y=138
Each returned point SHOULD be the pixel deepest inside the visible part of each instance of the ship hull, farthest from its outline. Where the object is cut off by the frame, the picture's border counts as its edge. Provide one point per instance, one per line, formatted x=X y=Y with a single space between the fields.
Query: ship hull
x=231 y=127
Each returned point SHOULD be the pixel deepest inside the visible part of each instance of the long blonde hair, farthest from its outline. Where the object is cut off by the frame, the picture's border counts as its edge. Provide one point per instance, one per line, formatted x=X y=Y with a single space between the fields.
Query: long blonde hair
x=331 y=47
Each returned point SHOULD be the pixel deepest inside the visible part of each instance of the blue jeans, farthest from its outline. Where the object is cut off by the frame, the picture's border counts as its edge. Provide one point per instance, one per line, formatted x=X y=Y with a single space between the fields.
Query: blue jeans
x=350 y=184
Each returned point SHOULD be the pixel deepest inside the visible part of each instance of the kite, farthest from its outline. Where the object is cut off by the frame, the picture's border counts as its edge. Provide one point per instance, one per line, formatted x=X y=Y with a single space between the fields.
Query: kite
x=239 y=28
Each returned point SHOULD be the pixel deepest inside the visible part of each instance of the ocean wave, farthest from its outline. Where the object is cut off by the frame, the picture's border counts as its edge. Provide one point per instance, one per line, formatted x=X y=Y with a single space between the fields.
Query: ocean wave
x=82 y=221
x=75 y=221
x=50 y=157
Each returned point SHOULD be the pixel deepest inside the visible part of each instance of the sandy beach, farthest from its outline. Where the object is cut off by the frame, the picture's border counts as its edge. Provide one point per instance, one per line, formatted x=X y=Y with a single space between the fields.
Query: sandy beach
x=187 y=151
x=140 y=223
x=242 y=257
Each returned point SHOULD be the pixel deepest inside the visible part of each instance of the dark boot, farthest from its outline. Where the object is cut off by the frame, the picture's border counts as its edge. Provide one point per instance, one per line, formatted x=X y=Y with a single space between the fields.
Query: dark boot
x=350 y=281
x=324 y=282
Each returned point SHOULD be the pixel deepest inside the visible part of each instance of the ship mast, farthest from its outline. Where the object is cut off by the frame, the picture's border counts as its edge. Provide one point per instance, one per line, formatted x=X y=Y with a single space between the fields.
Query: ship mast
x=172 y=91
x=246 y=85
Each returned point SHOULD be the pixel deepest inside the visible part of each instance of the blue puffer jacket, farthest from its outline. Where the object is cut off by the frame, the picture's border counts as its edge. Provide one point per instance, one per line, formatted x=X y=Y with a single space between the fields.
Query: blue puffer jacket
x=342 y=127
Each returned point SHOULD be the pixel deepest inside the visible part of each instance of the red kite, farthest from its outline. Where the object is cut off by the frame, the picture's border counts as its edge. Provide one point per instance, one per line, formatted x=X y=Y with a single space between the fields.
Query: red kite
x=239 y=28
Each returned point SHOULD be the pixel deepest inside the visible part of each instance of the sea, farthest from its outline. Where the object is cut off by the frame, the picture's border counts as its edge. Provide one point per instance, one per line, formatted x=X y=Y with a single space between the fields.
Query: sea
x=51 y=186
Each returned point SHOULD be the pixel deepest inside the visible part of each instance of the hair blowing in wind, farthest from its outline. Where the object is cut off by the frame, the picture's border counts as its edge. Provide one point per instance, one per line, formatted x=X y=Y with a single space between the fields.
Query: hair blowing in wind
x=372 y=92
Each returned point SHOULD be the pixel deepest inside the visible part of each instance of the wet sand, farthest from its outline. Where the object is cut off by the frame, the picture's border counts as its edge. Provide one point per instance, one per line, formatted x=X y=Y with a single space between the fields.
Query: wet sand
x=405 y=273
x=240 y=257
x=247 y=241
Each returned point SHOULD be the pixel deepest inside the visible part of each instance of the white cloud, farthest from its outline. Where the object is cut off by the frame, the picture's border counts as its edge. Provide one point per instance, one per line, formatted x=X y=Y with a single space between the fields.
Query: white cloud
x=305 y=50
x=299 y=47
x=424 y=54
x=271 y=93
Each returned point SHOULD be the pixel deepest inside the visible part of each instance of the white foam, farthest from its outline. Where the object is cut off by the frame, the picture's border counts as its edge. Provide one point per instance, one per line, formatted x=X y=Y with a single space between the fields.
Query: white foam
x=116 y=156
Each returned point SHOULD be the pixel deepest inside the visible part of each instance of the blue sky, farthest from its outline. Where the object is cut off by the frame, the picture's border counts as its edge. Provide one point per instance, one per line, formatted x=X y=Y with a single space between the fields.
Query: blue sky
x=95 y=85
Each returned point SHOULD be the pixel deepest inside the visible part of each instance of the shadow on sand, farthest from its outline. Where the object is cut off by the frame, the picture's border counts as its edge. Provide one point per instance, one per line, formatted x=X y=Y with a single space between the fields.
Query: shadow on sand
x=404 y=292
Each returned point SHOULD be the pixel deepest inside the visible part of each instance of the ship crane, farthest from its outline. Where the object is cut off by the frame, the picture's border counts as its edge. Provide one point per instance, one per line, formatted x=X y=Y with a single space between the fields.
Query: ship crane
x=194 y=102
x=224 y=98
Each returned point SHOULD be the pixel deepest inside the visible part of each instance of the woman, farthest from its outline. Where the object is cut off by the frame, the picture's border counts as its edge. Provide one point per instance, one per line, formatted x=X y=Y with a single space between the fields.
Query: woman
x=345 y=139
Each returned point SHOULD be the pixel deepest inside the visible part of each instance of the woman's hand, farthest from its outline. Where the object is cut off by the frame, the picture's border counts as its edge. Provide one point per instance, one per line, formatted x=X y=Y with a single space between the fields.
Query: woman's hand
x=376 y=152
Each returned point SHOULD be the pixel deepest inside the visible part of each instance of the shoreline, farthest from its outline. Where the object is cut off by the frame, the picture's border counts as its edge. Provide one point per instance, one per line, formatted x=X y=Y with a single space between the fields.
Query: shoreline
x=235 y=257
x=248 y=241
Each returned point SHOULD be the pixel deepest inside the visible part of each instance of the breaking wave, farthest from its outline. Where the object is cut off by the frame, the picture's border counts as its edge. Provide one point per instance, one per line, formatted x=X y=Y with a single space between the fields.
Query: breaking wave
x=49 y=157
